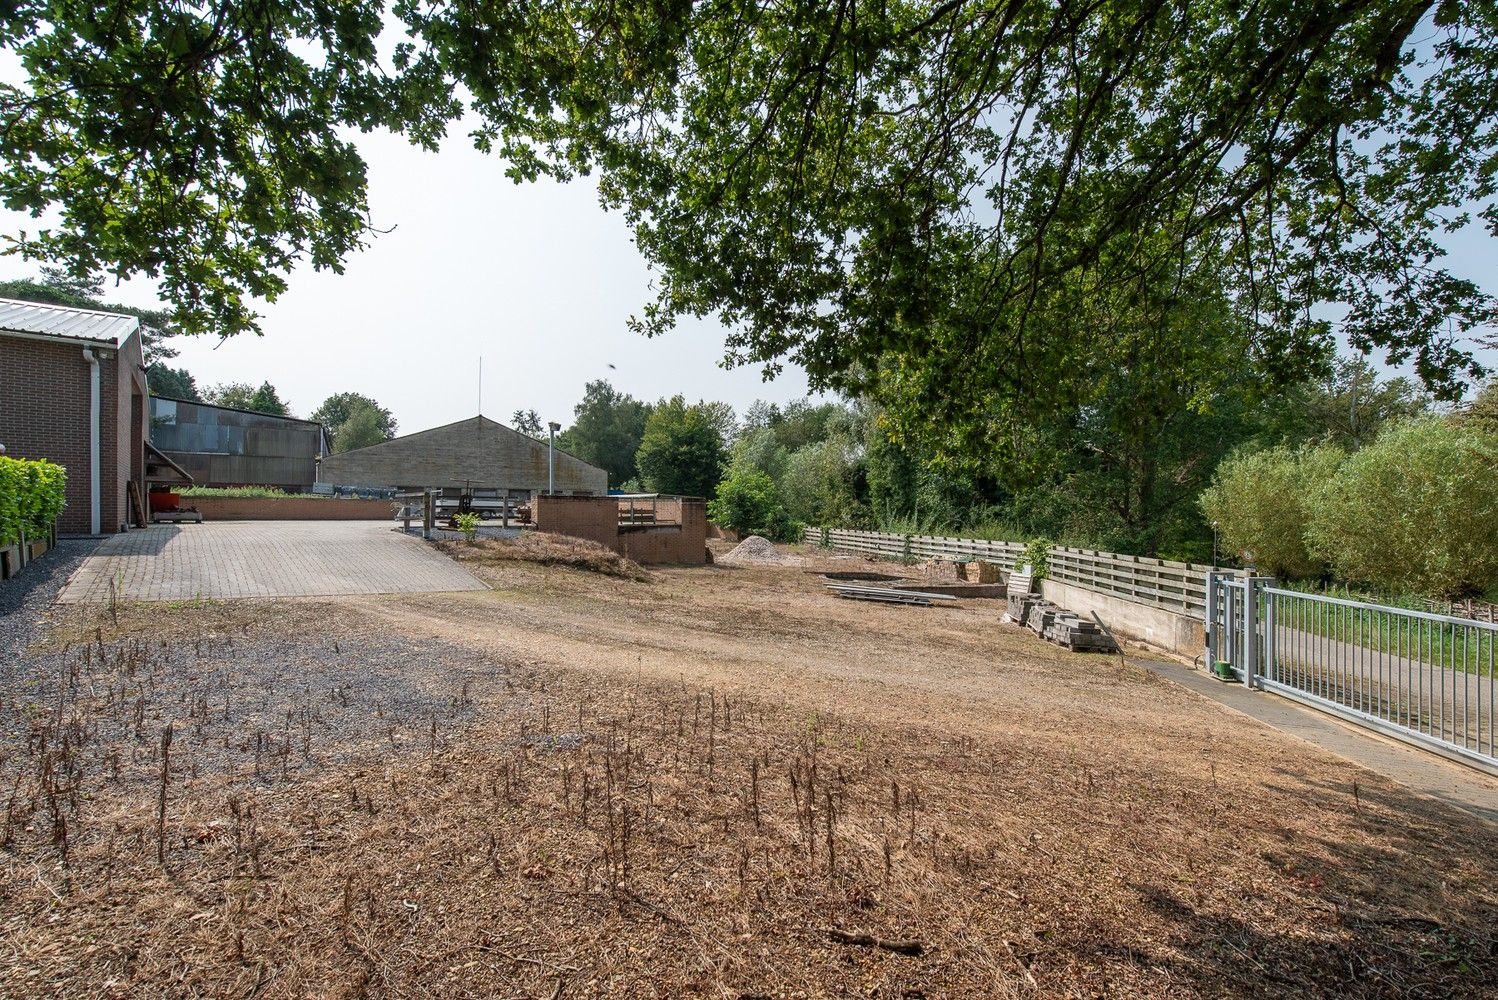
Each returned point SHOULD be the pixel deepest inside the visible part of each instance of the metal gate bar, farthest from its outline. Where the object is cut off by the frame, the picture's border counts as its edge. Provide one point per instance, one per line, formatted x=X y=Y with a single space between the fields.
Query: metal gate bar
x=1426 y=678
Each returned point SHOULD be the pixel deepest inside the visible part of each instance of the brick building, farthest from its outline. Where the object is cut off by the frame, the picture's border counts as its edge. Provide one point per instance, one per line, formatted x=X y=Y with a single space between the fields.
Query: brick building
x=73 y=392
x=477 y=452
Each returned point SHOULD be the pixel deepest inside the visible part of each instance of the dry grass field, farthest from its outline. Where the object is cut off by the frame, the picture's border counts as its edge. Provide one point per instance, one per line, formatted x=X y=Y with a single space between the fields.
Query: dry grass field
x=716 y=782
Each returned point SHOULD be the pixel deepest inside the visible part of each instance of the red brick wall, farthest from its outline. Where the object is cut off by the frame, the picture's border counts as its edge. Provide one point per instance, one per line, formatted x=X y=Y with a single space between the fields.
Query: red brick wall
x=290 y=509
x=44 y=413
x=593 y=518
x=597 y=519
x=686 y=546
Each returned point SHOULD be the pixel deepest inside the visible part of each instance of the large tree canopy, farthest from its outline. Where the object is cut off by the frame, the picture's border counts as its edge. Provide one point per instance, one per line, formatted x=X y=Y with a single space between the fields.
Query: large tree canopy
x=606 y=430
x=954 y=184
x=947 y=186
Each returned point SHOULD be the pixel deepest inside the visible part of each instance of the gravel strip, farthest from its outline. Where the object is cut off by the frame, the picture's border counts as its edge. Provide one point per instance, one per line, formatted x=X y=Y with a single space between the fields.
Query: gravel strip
x=26 y=597
x=258 y=707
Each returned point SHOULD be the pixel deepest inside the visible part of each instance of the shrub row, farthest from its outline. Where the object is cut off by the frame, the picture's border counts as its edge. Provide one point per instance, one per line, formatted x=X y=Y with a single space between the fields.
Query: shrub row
x=1415 y=512
x=31 y=498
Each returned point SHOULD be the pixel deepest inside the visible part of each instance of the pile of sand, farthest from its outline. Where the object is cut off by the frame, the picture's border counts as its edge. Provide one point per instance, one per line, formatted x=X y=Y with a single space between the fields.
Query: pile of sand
x=757 y=550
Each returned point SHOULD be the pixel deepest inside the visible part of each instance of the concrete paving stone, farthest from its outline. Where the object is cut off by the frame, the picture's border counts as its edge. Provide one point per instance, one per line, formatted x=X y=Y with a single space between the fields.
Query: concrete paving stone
x=231 y=559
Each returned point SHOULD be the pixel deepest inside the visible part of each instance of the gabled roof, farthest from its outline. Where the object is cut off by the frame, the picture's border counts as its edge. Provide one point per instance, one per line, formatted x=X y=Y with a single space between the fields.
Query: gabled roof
x=42 y=319
x=476 y=423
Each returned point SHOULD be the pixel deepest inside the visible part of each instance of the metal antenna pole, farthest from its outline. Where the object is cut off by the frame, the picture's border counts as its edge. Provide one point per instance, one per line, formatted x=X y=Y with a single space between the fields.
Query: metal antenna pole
x=481 y=385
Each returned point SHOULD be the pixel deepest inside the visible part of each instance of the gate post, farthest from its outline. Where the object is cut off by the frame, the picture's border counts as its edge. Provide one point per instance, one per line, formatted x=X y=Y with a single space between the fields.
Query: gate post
x=1250 y=629
x=1271 y=668
x=1211 y=621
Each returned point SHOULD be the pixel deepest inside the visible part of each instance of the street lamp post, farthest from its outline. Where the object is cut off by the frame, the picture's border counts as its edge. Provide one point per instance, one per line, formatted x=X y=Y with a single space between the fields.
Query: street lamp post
x=551 y=457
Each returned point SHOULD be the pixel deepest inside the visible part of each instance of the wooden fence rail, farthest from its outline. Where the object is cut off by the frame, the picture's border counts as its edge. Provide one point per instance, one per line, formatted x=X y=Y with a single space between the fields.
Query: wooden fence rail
x=1162 y=583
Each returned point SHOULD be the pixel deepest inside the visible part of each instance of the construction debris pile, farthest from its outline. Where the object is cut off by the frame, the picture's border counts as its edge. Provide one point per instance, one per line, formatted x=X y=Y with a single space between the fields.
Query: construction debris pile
x=755 y=549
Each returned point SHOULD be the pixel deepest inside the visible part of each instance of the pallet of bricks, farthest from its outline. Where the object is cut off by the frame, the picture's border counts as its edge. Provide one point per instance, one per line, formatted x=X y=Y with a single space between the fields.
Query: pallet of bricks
x=1065 y=628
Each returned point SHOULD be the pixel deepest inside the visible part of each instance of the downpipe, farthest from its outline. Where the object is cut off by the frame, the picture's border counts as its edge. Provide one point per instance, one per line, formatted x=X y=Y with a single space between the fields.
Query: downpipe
x=92 y=358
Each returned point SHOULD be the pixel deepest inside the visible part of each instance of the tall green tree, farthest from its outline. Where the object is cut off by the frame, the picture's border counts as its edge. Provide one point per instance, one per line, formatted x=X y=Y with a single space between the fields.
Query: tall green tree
x=682 y=449
x=606 y=430
x=366 y=425
x=1260 y=503
x=528 y=422
x=1416 y=511
x=204 y=145
x=243 y=396
x=173 y=383
x=336 y=411
x=1348 y=407
x=838 y=181
x=1482 y=410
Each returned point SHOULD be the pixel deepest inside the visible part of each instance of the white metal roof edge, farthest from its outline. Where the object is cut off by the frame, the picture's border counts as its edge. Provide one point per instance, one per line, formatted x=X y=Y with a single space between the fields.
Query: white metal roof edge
x=62 y=338
x=53 y=313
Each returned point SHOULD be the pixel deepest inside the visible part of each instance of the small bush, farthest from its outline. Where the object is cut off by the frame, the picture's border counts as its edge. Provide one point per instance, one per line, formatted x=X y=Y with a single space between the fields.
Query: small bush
x=748 y=503
x=1037 y=556
x=468 y=524
x=1261 y=502
x=1416 y=511
x=32 y=497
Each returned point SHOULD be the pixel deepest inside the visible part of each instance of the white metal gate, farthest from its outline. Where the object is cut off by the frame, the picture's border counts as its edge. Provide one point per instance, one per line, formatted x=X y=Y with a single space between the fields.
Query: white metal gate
x=1424 y=678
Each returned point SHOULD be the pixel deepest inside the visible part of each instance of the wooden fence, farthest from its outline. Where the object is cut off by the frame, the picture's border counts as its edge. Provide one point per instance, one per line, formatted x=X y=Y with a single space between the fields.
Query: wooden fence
x=1161 y=583
x=884 y=543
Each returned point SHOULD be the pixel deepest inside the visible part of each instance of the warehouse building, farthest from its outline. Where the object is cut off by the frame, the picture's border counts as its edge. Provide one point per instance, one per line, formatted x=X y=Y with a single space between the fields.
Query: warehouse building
x=224 y=446
x=475 y=454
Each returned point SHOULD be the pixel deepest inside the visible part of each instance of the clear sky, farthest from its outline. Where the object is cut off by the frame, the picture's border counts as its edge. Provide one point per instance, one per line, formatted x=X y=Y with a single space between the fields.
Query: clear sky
x=536 y=278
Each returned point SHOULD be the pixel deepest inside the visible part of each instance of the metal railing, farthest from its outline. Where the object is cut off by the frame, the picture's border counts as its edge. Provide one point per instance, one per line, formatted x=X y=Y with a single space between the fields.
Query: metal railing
x=1425 y=678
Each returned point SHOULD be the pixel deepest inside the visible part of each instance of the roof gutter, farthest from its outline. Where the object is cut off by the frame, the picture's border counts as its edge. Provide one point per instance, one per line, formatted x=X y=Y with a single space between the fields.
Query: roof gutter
x=51 y=338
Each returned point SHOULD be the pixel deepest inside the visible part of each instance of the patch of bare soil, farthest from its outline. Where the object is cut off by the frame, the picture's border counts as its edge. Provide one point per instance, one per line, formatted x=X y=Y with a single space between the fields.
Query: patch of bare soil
x=722 y=783
x=543 y=549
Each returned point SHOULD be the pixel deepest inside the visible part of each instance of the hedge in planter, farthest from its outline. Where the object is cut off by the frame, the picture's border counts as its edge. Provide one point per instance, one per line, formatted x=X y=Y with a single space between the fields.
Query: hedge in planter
x=31 y=498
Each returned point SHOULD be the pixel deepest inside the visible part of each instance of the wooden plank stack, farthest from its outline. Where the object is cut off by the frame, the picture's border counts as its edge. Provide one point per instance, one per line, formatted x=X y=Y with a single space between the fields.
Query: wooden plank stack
x=887 y=595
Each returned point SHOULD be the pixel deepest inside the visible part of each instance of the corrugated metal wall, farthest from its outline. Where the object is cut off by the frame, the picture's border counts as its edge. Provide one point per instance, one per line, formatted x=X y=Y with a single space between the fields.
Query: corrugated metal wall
x=223 y=447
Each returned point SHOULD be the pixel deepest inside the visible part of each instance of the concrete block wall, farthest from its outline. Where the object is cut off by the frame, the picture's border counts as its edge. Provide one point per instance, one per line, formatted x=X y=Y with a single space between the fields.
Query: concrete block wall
x=1181 y=634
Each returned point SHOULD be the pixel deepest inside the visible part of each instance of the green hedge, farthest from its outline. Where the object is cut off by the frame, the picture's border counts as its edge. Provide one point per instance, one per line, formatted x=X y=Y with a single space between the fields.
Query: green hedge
x=31 y=498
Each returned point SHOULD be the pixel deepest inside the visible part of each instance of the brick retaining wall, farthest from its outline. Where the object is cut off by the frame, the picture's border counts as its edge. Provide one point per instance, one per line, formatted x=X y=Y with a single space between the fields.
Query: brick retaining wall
x=289 y=509
x=597 y=519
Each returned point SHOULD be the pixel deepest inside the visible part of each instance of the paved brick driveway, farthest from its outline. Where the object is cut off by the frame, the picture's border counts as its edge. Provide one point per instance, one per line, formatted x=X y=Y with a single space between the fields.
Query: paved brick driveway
x=168 y=562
